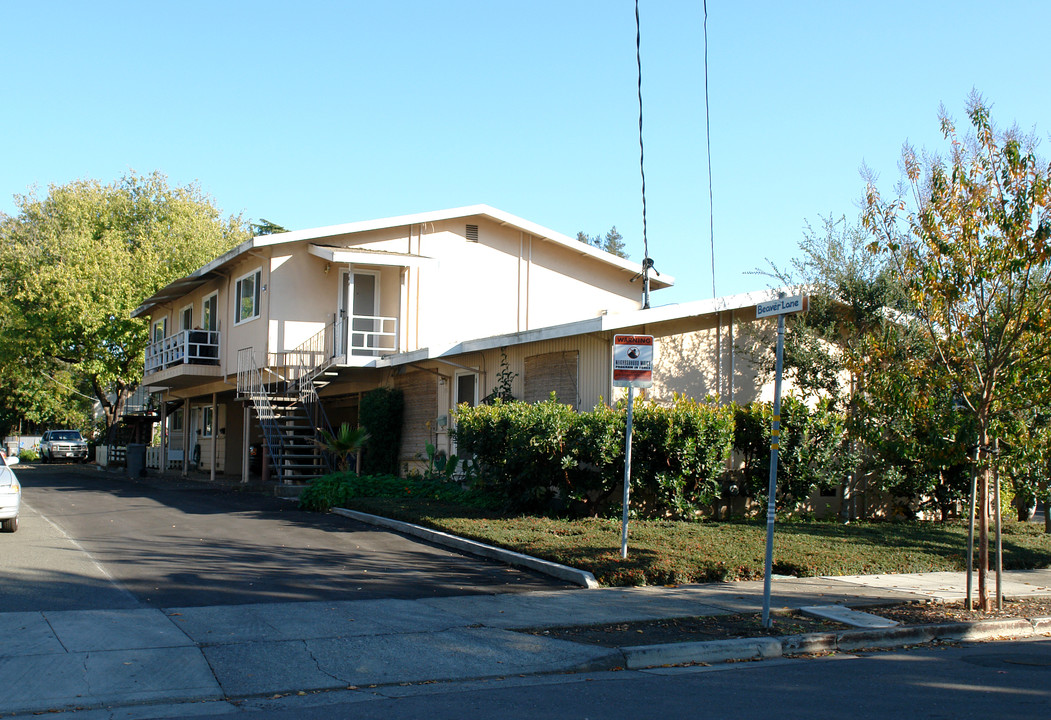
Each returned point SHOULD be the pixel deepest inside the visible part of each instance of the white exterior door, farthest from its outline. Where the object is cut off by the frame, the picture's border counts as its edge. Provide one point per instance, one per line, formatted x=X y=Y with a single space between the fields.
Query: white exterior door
x=358 y=311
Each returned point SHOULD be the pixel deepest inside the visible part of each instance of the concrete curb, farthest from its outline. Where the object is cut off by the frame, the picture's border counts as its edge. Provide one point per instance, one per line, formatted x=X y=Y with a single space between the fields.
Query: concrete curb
x=712 y=651
x=649 y=656
x=555 y=570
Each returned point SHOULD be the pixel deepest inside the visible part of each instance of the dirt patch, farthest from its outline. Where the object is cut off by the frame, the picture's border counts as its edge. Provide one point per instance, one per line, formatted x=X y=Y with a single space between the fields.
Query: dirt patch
x=689 y=629
x=930 y=613
x=724 y=627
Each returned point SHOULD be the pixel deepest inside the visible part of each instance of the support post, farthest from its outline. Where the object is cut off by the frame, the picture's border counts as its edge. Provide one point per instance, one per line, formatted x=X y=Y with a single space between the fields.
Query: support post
x=970 y=525
x=164 y=436
x=187 y=427
x=246 y=449
x=215 y=438
x=999 y=534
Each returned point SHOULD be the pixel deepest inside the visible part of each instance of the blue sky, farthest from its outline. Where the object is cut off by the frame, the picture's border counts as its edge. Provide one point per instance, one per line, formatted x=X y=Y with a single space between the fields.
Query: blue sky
x=316 y=113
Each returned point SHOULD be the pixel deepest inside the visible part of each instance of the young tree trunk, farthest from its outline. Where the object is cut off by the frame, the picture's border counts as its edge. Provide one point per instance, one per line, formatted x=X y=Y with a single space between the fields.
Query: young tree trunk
x=983 y=538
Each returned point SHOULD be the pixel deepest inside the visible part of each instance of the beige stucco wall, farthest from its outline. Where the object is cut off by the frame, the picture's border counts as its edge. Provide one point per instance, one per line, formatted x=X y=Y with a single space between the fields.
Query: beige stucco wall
x=508 y=281
x=250 y=333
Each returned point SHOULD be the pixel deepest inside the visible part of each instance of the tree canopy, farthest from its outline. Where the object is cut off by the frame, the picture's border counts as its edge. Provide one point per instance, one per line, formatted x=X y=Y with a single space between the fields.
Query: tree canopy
x=75 y=264
x=612 y=242
x=969 y=236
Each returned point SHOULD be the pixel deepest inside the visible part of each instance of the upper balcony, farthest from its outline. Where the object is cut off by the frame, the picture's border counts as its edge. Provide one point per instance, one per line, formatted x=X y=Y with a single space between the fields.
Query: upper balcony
x=187 y=354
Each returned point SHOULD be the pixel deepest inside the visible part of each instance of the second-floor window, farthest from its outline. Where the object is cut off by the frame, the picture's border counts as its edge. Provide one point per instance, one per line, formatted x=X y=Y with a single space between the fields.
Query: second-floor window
x=247 y=297
x=186 y=318
x=160 y=329
x=209 y=310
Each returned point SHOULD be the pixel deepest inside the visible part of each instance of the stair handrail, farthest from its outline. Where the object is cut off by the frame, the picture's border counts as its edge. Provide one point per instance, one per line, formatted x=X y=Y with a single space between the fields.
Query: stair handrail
x=308 y=359
x=250 y=384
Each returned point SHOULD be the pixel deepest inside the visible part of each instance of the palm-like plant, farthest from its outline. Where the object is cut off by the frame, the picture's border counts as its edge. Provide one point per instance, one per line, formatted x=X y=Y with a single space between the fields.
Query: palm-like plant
x=343 y=443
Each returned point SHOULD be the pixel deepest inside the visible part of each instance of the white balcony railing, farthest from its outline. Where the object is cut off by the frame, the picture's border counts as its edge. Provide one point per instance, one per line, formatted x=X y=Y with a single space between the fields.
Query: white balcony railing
x=368 y=335
x=189 y=347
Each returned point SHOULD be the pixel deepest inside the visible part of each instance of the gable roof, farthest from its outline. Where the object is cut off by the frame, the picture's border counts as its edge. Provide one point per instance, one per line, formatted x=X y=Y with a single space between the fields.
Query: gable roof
x=182 y=286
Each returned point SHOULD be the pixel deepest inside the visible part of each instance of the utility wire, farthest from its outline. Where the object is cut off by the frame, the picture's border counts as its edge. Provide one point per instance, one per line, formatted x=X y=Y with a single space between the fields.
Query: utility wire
x=708 y=137
x=67 y=387
x=646 y=262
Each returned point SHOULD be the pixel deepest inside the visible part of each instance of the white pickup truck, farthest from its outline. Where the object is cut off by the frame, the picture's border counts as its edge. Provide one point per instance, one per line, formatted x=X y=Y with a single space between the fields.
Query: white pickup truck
x=63 y=445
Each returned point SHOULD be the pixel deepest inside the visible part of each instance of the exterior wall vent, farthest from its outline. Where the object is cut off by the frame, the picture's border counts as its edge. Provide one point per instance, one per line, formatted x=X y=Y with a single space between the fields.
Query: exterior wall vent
x=472 y=233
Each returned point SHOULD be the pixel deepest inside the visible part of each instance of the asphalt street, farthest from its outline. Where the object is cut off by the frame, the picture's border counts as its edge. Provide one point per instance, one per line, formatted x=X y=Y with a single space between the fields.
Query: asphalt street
x=157 y=599
x=92 y=539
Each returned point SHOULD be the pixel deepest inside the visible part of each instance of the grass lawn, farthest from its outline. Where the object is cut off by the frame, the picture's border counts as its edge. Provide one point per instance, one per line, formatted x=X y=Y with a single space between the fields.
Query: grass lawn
x=664 y=552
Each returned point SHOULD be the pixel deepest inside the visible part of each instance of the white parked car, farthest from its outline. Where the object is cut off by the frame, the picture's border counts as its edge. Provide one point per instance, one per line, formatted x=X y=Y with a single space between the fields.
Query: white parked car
x=10 y=494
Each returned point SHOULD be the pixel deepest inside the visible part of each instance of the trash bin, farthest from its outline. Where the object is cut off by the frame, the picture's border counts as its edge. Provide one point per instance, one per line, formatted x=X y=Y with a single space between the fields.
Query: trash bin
x=255 y=459
x=136 y=460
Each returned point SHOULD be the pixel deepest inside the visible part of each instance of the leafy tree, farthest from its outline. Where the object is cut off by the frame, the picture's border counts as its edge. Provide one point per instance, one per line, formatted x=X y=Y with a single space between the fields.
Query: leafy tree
x=76 y=263
x=917 y=443
x=838 y=350
x=612 y=242
x=969 y=235
x=265 y=227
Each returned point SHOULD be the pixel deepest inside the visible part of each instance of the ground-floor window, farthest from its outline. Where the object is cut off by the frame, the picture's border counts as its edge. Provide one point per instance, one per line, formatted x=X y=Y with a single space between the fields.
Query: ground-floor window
x=552 y=372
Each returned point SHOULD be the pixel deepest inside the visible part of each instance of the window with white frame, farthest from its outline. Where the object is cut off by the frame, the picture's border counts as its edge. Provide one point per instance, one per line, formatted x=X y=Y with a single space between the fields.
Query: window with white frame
x=160 y=329
x=207 y=421
x=466 y=390
x=186 y=318
x=210 y=312
x=175 y=421
x=246 y=298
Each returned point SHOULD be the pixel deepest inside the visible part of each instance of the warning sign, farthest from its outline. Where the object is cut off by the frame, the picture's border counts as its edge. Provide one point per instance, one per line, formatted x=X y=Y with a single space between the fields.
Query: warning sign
x=633 y=361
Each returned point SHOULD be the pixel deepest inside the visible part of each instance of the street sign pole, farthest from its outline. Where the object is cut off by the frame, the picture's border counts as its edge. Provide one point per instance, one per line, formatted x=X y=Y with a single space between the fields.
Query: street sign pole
x=780 y=307
x=632 y=368
x=775 y=441
x=627 y=475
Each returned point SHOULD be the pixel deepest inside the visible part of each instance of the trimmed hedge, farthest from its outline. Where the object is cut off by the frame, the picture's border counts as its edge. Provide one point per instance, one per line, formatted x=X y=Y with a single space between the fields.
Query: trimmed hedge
x=546 y=457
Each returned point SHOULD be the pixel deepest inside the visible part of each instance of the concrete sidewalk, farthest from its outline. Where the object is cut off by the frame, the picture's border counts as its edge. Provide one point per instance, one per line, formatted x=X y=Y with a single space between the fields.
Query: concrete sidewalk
x=121 y=658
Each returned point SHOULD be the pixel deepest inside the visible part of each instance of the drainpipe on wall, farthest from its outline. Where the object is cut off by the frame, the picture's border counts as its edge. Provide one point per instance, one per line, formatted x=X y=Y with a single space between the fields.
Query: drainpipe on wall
x=733 y=357
x=719 y=357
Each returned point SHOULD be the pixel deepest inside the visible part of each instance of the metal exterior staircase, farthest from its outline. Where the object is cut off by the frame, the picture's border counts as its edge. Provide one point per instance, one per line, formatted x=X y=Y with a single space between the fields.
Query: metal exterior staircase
x=290 y=415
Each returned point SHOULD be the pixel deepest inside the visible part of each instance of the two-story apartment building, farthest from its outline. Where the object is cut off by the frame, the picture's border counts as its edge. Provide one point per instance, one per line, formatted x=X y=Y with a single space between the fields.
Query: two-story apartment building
x=302 y=324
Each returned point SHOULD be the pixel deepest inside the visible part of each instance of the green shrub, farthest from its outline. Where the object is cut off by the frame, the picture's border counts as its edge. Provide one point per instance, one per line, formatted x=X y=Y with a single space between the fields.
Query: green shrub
x=326 y=492
x=340 y=489
x=679 y=455
x=523 y=450
x=813 y=450
x=545 y=457
x=28 y=455
x=381 y=414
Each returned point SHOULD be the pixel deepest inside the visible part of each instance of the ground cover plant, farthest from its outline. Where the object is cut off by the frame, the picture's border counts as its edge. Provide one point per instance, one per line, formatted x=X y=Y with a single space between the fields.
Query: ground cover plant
x=667 y=551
